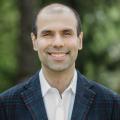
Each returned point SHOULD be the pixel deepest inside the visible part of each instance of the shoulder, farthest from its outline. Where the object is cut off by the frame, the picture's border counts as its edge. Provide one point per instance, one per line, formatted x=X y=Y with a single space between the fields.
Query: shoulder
x=101 y=91
x=105 y=102
x=15 y=92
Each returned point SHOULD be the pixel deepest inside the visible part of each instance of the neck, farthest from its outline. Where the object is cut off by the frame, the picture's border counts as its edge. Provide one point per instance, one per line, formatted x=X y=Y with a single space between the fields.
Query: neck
x=59 y=79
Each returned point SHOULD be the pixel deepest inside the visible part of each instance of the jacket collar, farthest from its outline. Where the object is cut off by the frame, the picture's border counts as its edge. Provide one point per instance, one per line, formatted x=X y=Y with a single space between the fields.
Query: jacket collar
x=32 y=97
x=83 y=99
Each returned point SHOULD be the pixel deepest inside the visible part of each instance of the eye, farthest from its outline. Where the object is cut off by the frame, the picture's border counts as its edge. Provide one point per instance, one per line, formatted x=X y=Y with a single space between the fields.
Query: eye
x=46 y=34
x=67 y=33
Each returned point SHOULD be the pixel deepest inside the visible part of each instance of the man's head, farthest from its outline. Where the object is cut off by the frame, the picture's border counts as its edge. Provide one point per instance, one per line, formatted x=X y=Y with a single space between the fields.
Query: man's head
x=57 y=40
x=79 y=25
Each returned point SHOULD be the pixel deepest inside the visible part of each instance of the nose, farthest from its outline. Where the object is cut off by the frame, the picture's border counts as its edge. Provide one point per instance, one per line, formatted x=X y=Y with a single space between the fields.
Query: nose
x=58 y=41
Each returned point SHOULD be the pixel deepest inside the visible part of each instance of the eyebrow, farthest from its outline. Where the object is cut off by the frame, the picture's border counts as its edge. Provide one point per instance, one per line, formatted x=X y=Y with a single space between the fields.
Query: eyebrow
x=68 y=30
x=46 y=31
x=64 y=30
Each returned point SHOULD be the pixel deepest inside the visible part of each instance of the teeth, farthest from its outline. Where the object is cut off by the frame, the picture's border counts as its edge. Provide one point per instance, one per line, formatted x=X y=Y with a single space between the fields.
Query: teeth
x=58 y=54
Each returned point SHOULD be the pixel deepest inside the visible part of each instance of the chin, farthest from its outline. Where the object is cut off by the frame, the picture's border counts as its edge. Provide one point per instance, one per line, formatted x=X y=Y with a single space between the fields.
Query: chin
x=59 y=68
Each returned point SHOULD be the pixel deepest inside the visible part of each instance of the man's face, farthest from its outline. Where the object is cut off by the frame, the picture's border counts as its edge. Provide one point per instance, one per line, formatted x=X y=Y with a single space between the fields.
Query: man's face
x=57 y=42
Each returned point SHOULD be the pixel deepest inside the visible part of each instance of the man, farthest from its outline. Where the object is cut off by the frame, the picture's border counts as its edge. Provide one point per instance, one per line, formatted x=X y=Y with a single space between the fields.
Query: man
x=58 y=91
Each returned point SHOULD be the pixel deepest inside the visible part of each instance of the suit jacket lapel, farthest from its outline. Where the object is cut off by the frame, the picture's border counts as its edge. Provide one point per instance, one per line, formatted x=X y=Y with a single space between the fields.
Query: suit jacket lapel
x=83 y=99
x=32 y=97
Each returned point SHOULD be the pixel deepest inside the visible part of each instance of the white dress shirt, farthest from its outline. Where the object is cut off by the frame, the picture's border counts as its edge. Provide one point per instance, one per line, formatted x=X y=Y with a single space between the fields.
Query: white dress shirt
x=58 y=107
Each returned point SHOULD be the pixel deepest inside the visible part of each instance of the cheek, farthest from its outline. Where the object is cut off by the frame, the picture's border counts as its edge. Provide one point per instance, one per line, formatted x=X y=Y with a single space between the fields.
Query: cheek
x=73 y=43
x=41 y=49
x=42 y=44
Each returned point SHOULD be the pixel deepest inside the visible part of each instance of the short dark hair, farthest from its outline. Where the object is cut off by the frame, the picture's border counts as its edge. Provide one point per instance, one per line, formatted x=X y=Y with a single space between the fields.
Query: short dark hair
x=79 y=25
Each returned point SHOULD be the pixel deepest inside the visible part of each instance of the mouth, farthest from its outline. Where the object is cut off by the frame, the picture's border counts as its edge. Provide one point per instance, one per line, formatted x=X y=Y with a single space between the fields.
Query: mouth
x=58 y=53
x=59 y=56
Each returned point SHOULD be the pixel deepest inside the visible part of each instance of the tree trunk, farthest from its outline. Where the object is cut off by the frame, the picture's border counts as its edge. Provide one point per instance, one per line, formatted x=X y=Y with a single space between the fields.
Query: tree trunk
x=26 y=55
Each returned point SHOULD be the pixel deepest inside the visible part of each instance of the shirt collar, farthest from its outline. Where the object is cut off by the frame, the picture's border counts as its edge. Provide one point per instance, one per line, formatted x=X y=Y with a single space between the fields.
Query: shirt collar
x=73 y=83
x=45 y=87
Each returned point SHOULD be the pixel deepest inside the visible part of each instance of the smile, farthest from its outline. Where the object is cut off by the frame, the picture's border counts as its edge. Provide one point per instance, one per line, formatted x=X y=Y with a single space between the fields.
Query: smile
x=59 y=56
x=58 y=53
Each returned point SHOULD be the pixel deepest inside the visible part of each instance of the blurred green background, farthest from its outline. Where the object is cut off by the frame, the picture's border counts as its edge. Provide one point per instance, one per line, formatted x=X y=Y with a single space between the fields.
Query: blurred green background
x=99 y=60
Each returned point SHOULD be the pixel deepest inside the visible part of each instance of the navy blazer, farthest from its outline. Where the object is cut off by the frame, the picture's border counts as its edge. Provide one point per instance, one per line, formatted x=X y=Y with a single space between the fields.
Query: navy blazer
x=92 y=102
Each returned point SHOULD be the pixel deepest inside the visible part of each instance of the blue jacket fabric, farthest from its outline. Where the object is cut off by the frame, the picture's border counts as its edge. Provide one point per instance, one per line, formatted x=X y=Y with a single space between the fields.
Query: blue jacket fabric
x=92 y=101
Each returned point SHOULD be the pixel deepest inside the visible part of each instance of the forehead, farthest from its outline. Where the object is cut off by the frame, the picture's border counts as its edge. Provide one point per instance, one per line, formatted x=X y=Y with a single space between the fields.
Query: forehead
x=56 y=15
x=56 y=8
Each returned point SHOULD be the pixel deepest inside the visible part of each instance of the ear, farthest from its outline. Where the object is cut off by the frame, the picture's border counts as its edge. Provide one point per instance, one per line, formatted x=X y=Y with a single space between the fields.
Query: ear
x=80 y=40
x=34 y=41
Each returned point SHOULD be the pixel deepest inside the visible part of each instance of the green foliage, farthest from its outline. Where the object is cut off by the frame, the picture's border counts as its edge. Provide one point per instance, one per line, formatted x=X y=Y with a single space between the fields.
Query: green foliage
x=9 y=17
x=104 y=28
x=100 y=57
